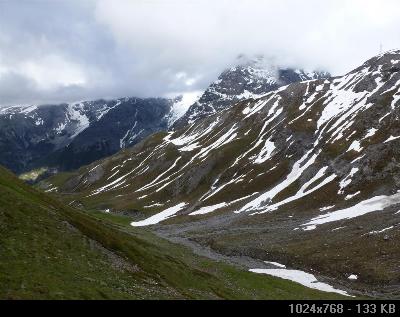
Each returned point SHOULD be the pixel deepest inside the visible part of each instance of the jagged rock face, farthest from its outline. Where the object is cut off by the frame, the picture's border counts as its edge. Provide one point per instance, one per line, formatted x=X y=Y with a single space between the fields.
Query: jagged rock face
x=123 y=126
x=69 y=135
x=250 y=79
x=309 y=167
x=28 y=134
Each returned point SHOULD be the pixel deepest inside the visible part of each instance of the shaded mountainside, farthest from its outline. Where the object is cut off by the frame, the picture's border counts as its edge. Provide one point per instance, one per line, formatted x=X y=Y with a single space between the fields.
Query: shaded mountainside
x=68 y=136
x=123 y=126
x=308 y=176
x=251 y=78
x=49 y=251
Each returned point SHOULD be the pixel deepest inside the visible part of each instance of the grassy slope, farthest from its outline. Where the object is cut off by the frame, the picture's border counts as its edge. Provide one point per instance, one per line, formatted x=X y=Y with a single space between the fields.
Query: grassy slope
x=44 y=256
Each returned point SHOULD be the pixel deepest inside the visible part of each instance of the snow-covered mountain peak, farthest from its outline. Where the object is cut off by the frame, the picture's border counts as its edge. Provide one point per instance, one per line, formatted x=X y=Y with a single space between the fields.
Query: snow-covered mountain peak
x=181 y=104
x=249 y=78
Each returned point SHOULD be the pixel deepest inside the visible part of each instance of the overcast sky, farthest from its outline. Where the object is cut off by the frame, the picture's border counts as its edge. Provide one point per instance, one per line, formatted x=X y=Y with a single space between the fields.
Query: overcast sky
x=70 y=50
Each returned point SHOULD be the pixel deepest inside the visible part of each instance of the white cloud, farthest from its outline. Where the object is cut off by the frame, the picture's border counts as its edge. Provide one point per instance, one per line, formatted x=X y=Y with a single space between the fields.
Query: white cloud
x=52 y=72
x=68 y=49
x=189 y=35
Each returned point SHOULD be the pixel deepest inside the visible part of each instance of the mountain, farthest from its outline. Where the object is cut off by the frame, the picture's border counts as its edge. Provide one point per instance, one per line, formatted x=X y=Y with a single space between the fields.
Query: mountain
x=70 y=135
x=51 y=251
x=307 y=175
x=250 y=78
x=129 y=122
x=38 y=140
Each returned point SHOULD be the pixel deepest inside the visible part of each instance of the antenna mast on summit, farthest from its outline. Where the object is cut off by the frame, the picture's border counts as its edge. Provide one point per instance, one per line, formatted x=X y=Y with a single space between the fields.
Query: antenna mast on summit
x=380 y=48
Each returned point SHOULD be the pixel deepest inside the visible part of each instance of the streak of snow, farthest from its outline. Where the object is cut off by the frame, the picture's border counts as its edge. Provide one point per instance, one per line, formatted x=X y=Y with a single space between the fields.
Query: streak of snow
x=380 y=231
x=352 y=195
x=364 y=207
x=303 y=192
x=276 y=264
x=296 y=172
x=208 y=209
x=326 y=208
x=391 y=138
x=154 y=205
x=167 y=213
x=190 y=147
x=156 y=180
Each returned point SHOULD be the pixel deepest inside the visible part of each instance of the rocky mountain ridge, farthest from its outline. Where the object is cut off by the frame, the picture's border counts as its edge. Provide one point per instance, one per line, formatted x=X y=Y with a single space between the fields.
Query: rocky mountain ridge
x=250 y=78
x=70 y=135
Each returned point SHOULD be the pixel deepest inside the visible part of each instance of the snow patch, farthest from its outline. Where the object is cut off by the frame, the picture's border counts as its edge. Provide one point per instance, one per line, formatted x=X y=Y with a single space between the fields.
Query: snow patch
x=300 y=277
x=370 y=132
x=265 y=152
x=355 y=146
x=167 y=213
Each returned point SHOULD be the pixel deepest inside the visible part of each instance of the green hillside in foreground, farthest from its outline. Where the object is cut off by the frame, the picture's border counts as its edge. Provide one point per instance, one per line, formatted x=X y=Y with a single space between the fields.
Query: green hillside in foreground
x=49 y=251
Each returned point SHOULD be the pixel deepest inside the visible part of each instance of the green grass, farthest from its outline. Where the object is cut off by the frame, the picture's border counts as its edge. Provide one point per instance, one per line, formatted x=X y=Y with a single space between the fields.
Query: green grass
x=48 y=251
x=43 y=257
x=183 y=270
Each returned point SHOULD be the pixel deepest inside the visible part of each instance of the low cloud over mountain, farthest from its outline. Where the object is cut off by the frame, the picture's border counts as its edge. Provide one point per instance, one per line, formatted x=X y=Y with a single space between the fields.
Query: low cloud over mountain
x=56 y=51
